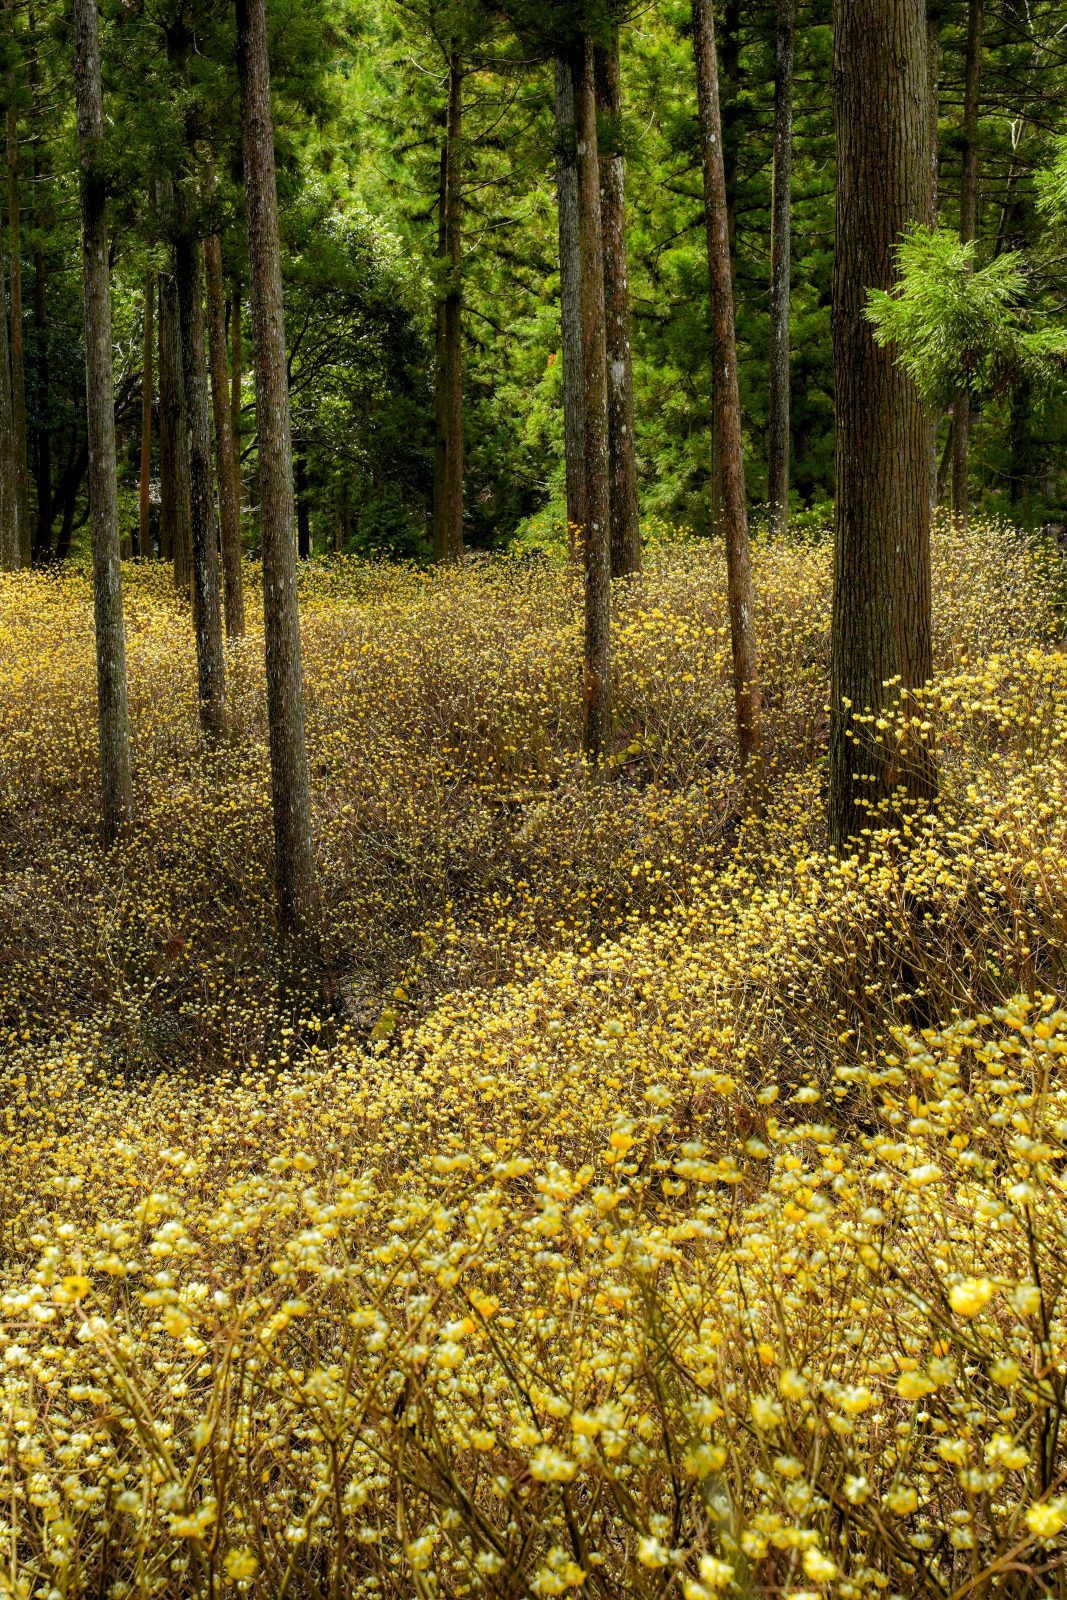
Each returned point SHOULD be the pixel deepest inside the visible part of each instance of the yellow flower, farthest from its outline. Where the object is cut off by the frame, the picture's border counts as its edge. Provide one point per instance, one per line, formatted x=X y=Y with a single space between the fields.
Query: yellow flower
x=240 y=1564
x=968 y=1297
x=1046 y=1518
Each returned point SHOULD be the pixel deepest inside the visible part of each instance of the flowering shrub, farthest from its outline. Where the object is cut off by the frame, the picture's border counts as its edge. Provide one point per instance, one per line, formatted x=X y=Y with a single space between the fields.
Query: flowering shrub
x=651 y=1205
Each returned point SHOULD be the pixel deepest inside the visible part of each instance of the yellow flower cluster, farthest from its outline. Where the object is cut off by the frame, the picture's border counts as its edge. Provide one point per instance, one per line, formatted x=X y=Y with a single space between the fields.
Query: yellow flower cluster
x=640 y=1202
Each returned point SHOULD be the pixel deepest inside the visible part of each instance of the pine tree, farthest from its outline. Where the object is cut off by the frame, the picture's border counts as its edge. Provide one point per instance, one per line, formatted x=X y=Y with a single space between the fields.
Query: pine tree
x=881 y=634
x=115 y=772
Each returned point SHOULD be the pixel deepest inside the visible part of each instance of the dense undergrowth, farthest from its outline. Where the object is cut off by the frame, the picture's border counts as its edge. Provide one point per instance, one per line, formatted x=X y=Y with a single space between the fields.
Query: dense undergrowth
x=642 y=1203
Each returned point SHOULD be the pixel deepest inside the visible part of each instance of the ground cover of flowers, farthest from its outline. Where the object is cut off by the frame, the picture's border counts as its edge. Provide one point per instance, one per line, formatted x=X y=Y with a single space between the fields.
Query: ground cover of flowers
x=624 y=1199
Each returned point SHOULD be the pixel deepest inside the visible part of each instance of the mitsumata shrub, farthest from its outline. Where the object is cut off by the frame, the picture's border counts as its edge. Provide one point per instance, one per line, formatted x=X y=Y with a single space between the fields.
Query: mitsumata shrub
x=640 y=1202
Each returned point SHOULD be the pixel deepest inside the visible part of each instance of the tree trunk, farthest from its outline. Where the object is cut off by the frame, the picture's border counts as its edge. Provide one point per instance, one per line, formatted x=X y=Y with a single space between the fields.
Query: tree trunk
x=9 y=506
x=933 y=82
x=968 y=222
x=175 y=539
x=207 y=597
x=727 y=394
x=115 y=774
x=448 y=489
x=437 y=495
x=881 y=644
x=236 y=380
x=227 y=471
x=144 y=504
x=18 y=358
x=596 y=540
x=781 y=204
x=42 y=454
x=625 y=517
x=303 y=510
x=42 y=441
x=294 y=855
x=570 y=298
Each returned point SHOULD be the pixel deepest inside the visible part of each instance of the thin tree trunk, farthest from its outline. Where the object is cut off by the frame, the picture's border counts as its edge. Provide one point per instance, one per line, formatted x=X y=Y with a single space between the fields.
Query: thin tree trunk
x=968 y=221
x=42 y=441
x=294 y=855
x=42 y=454
x=236 y=381
x=144 y=503
x=933 y=82
x=881 y=645
x=438 y=497
x=781 y=241
x=625 y=517
x=448 y=491
x=175 y=538
x=596 y=541
x=9 y=507
x=18 y=359
x=570 y=299
x=207 y=597
x=227 y=471
x=303 y=510
x=115 y=773
x=727 y=394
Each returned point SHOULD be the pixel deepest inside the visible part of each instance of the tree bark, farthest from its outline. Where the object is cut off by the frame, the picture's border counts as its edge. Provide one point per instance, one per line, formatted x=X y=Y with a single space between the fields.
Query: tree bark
x=144 y=504
x=227 y=470
x=294 y=855
x=570 y=297
x=448 y=488
x=933 y=83
x=625 y=517
x=727 y=394
x=596 y=538
x=18 y=358
x=42 y=440
x=236 y=381
x=781 y=241
x=175 y=538
x=881 y=639
x=207 y=597
x=9 y=506
x=437 y=492
x=968 y=221
x=115 y=772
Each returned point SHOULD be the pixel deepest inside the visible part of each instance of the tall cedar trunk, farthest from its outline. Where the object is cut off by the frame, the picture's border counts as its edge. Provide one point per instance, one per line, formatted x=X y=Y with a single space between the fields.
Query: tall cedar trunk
x=294 y=855
x=625 y=518
x=18 y=358
x=448 y=488
x=42 y=442
x=176 y=539
x=207 y=596
x=596 y=541
x=115 y=775
x=933 y=87
x=881 y=612
x=144 y=503
x=236 y=381
x=226 y=468
x=438 y=498
x=9 y=508
x=42 y=453
x=727 y=394
x=303 y=510
x=781 y=230
x=570 y=298
x=968 y=221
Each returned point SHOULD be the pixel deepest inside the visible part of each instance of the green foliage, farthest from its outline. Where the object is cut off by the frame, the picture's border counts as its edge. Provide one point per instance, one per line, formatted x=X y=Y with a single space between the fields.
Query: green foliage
x=954 y=325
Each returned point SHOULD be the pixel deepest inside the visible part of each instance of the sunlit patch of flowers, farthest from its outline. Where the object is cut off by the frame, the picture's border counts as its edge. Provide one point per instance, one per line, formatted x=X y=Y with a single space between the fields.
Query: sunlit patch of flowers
x=641 y=1203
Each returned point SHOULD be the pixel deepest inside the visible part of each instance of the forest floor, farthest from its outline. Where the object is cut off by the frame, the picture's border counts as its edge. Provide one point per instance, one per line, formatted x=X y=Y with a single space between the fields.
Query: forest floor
x=625 y=1191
